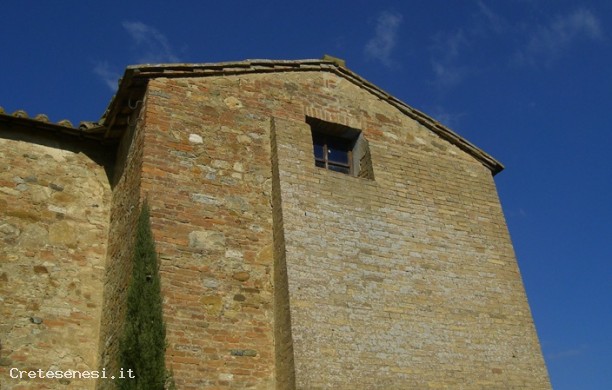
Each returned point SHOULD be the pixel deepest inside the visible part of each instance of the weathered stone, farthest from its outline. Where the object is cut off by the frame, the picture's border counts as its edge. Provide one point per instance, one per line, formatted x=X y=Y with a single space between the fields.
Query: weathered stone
x=57 y=209
x=9 y=191
x=24 y=214
x=33 y=249
x=241 y=276
x=206 y=199
x=265 y=255
x=40 y=269
x=233 y=254
x=63 y=233
x=5 y=362
x=239 y=298
x=9 y=230
x=232 y=103
x=63 y=198
x=237 y=203
x=207 y=240
x=195 y=139
x=40 y=194
x=210 y=283
x=33 y=235
x=239 y=167
x=212 y=303
x=243 y=352
x=56 y=187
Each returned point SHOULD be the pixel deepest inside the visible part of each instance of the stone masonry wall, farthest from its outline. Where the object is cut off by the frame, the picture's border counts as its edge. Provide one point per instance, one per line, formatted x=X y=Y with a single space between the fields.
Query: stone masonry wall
x=54 y=203
x=275 y=273
x=283 y=341
x=407 y=281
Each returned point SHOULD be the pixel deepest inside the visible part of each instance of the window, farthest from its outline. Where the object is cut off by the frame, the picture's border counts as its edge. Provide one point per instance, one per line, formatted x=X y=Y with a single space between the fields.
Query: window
x=340 y=148
x=332 y=153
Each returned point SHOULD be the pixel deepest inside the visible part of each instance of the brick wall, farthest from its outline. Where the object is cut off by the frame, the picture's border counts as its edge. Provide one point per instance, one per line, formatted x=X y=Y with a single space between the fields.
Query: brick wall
x=408 y=280
x=206 y=172
x=123 y=213
x=54 y=203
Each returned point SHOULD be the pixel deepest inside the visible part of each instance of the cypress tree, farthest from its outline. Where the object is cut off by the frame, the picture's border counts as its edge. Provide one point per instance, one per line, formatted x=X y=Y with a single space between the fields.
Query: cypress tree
x=144 y=335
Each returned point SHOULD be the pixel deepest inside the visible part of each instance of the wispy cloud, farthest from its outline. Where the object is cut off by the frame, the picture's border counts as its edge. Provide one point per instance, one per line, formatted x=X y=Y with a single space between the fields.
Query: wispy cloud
x=493 y=21
x=447 y=74
x=568 y=353
x=516 y=213
x=547 y=42
x=450 y=45
x=458 y=55
x=152 y=45
x=446 y=49
x=455 y=54
x=446 y=117
x=385 y=38
x=108 y=76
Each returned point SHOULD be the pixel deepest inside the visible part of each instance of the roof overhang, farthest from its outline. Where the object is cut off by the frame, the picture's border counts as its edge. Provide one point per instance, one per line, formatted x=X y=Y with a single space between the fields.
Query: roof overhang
x=19 y=120
x=133 y=85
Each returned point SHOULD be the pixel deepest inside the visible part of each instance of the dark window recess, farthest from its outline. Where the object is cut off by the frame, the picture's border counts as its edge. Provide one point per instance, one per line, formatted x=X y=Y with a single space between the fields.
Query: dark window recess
x=340 y=148
x=332 y=153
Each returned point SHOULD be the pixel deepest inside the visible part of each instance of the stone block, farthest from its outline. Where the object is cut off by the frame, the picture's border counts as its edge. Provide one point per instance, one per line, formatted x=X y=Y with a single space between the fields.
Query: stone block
x=207 y=240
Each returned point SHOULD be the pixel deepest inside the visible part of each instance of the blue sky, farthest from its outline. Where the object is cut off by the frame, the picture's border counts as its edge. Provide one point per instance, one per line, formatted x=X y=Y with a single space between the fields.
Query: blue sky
x=530 y=82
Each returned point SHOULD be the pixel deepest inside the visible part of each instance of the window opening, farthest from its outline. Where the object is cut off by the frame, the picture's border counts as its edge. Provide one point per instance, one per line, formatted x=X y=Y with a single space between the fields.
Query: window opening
x=340 y=148
x=332 y=153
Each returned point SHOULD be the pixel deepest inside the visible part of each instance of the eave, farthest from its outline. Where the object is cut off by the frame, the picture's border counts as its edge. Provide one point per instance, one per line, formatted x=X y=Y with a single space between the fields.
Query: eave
x=19 y=120
x=134 y=81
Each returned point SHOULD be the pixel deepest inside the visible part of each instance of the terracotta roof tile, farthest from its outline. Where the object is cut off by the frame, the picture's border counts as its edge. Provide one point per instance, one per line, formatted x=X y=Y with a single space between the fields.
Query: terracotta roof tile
x=86 y=129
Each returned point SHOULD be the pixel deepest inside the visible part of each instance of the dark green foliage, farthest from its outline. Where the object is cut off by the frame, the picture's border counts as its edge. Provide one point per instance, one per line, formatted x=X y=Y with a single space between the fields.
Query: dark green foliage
x=144 y=336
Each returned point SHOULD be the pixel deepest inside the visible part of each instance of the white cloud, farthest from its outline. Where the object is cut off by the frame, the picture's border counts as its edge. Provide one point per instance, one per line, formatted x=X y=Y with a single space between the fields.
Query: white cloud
x=446 y=117
x=548 y=42
x=447 y=75
x=492 y=19
x=152 y=46
x=450 y=45
x=109 y=77
x=568 y=353
x=516 y=213
x=385 y=38
x=446 y=50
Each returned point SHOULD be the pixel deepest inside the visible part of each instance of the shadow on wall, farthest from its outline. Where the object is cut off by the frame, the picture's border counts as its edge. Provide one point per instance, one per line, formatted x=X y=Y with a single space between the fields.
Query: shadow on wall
x=103 y=155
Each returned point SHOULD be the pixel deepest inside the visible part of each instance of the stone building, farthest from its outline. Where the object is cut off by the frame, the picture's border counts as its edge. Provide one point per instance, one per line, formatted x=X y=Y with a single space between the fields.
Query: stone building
x=313 y=231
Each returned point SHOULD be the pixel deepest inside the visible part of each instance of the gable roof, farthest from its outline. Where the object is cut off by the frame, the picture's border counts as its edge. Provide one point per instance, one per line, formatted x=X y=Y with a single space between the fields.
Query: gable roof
x=132 y=87
x=133 y=84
